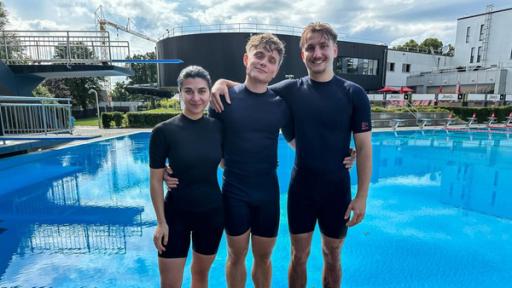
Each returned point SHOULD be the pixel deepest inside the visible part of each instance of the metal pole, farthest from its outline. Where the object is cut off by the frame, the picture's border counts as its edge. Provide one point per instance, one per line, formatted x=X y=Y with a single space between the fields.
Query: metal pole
x=68 y=47
x=97 y=105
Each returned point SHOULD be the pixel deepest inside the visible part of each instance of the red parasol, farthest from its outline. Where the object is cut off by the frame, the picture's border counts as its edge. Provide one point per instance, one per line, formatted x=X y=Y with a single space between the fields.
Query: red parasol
x=388 y=89
x=405 y=89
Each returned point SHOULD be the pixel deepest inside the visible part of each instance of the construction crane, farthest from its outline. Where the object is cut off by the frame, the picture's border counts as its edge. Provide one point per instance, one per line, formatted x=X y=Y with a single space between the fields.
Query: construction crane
x=103 y=23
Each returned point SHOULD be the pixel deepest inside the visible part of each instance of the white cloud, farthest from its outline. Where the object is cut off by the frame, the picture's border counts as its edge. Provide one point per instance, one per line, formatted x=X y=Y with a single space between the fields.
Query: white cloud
x=388 y=21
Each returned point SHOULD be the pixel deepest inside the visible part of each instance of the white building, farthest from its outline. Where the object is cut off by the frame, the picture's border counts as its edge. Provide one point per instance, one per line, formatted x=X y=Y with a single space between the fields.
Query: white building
x=485 y=39
x=402 y=64
x=482 y=62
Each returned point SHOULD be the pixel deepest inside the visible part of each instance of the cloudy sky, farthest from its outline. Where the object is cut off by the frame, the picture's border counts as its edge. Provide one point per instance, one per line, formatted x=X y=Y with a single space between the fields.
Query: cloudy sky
x=383 y=21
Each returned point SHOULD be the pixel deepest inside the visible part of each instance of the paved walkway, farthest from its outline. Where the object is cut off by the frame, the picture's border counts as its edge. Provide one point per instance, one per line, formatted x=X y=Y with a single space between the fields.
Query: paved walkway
x=105 y=133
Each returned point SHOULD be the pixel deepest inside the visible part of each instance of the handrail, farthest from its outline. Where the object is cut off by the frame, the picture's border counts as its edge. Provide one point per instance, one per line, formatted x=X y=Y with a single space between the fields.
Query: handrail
x=68 y=47
x=35 y=115
x=411 y=109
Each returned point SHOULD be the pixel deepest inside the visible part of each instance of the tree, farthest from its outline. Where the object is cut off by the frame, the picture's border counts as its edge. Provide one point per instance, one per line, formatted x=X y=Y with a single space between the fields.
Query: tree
x=409 y=45
x=3 y=16
x=143 y=73
x=76 y=88
x=42 y=91
x=432 y=43
x=13 y=49
x=119 y=93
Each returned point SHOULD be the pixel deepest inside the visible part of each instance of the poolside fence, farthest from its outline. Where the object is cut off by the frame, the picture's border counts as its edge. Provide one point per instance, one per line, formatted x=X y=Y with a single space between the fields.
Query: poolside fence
x=35 y=115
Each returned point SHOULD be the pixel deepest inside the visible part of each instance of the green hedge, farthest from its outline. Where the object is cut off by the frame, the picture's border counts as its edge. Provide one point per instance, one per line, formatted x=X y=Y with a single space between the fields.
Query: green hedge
x=106 y=119
x=147 y=120
x=500 y=112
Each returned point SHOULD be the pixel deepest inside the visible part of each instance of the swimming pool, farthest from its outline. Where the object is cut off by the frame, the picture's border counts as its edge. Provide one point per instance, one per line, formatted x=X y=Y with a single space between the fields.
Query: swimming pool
x=439 y=215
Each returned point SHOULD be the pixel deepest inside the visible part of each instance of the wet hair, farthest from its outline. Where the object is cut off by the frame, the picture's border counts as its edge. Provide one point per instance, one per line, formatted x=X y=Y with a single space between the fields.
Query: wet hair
x=194 y=72
x=318 y=27
x=268 y=42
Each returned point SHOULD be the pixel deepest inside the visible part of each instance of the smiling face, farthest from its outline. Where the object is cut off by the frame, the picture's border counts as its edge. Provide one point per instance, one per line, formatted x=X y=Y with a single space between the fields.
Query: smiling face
x=195 y=94
x=261 y=64
x=318 y=53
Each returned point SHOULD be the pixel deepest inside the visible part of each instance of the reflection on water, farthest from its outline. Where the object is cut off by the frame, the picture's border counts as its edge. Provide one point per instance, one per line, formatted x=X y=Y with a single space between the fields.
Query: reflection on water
x=93 y=205
x=471 y=170
x=83 y=215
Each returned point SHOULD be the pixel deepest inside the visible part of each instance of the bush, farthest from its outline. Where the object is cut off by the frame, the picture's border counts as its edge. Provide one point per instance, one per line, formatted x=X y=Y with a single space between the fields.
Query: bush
x=118 y=118
x=500 y=112
x=106 y=119
x=147 y=120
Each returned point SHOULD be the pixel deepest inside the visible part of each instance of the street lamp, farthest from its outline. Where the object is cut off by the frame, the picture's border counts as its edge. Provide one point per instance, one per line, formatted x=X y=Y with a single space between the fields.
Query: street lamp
x=92 y=91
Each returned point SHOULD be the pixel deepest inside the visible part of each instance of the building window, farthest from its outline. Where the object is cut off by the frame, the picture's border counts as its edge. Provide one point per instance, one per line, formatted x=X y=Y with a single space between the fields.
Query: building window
x=468 y=31
x=406 y=68
x=472 y=57
x=359 y=66
x=481 y=37
x=510 y=54
x=479 y=55
x=391 y=66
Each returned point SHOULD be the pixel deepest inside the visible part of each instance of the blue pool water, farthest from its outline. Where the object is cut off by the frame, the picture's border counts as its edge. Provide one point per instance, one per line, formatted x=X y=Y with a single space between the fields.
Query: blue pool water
x=438 y=215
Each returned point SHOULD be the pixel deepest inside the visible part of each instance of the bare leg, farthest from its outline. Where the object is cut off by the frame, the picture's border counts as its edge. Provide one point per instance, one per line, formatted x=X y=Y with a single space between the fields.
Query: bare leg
x=171 y=272
x=301 y=245
x=331 y=249
x=236 y=273
x=200 y=267
x=262 y=268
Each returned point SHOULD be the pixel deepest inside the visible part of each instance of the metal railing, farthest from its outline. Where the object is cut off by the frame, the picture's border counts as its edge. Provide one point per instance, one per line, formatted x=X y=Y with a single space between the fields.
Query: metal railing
x=35 y=115
x=65 y=47
x=233 y=27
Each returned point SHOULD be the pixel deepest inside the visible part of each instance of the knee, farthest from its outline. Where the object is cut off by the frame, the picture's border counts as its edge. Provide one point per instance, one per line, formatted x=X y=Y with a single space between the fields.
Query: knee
x=237 y=255
x=200 y=271
x=331 y=255
x=300 y=256
x=262 y=257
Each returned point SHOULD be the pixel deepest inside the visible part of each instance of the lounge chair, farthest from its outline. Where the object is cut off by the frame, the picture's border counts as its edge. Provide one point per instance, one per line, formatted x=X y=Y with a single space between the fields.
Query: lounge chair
x=509 y=121
x=491 y=119
x=424 y=122
x=471 y=120
x=396 y=122
x=449 y=120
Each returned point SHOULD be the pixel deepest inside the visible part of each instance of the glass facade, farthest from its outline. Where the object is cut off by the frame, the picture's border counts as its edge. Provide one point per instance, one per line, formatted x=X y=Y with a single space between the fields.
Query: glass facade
x=358 y=66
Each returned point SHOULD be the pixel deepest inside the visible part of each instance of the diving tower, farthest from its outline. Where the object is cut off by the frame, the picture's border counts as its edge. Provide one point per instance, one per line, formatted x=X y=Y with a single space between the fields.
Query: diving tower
x=29 y=57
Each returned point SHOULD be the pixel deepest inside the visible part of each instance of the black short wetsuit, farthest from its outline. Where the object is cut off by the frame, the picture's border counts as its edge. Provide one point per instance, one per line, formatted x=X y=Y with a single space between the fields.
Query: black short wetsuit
x=194 y=150
x=250 y=189
x=325 y=115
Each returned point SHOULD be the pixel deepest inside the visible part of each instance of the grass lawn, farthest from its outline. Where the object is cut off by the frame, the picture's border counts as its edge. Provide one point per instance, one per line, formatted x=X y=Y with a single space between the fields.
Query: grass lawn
x=93 y=121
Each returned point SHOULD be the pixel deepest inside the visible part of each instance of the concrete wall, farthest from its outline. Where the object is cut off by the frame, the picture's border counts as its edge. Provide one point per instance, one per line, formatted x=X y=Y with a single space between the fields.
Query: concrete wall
x=471 y=81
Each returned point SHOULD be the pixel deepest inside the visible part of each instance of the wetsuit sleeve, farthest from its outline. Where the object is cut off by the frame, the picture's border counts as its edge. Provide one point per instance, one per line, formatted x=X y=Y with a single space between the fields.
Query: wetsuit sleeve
x=158 y=148
x=283 y=88
x=288 y=128
x=361 y=111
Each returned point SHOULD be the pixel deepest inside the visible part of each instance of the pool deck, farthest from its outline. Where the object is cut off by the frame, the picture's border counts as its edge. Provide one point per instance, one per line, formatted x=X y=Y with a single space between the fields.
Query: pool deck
x=84 y=134
x=81 y=134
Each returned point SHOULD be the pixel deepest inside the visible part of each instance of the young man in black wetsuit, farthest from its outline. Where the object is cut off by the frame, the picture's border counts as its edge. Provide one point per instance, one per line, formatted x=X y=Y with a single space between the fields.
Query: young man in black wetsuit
x=250 y=188
x=192 y=143
x=326 y=110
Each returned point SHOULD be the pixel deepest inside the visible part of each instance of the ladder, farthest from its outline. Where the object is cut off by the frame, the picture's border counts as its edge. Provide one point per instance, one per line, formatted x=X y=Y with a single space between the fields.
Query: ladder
x=487 y=32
